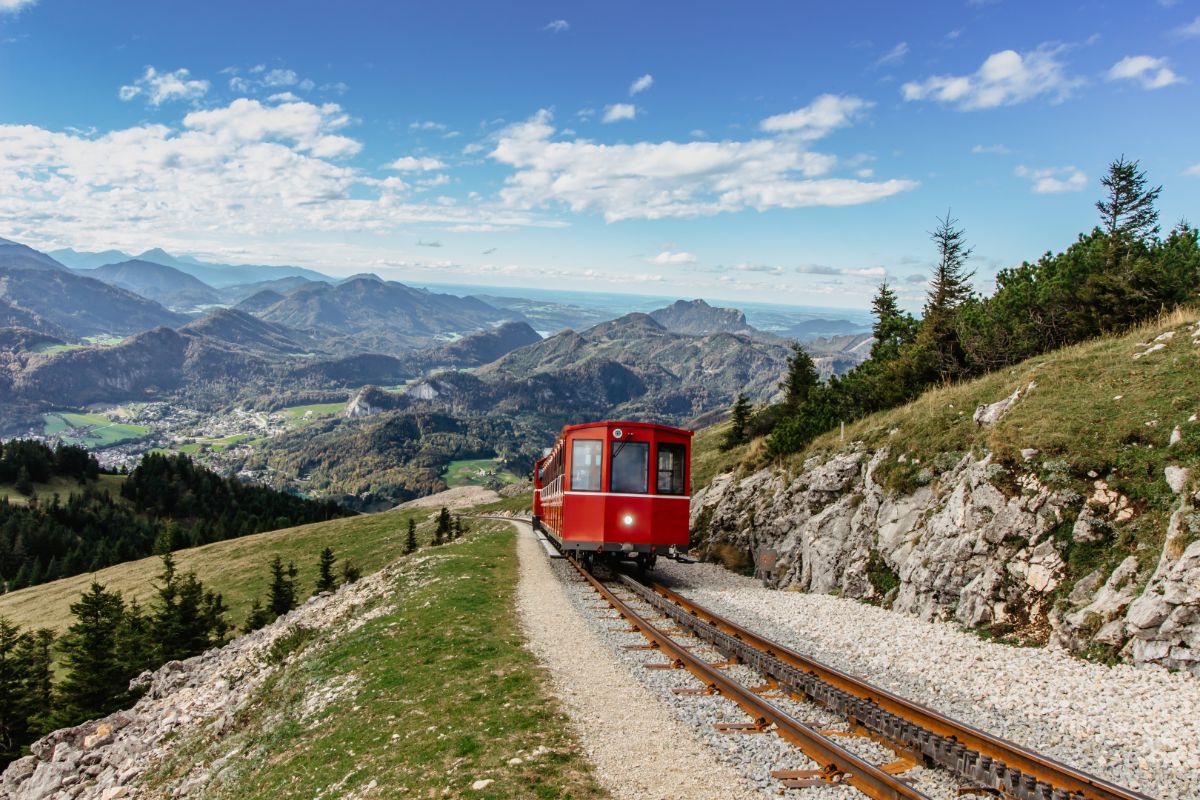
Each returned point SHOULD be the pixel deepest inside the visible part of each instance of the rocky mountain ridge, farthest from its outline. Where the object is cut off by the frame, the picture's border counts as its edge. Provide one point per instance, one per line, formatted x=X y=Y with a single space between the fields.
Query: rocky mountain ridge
x=1015 y=536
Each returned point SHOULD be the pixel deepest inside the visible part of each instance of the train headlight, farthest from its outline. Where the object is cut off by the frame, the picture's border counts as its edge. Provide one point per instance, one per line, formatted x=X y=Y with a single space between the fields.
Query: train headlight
x=627 y=519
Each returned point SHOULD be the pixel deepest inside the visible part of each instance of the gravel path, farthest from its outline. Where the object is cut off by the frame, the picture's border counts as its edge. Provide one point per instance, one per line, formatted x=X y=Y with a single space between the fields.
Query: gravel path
x=1139 y=728
x=639 y=749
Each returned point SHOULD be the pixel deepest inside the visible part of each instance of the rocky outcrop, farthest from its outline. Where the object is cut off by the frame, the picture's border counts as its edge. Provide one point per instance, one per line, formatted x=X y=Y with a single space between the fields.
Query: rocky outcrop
x=972 y=542
x=106 y=758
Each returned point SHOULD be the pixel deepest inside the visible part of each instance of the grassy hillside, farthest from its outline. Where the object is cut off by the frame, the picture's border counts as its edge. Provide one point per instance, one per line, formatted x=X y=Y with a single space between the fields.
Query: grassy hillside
x=237 y=567
x=63 y=487
x=425 y=699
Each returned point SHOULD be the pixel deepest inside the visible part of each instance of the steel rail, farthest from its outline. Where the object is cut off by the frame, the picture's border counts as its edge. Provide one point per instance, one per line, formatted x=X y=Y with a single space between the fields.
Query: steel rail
x=1001 y=765
x=839 y=764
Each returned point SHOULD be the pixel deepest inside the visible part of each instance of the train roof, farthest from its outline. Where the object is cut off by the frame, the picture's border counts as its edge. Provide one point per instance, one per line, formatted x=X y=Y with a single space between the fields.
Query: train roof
x=626 y=424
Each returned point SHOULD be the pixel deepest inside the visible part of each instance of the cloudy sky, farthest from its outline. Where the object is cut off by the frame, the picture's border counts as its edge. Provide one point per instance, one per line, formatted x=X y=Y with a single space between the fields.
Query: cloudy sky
x=783 y=152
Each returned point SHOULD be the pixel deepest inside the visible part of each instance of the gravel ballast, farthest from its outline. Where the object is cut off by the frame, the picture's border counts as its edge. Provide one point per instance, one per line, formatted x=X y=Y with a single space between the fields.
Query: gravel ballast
x=638 y=748
x=1139 y=728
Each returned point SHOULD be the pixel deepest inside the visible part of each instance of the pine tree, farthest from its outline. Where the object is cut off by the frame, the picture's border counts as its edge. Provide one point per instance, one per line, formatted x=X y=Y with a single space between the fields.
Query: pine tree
x=282 y=594
x=95 y=683
x=441 y=533
x=740 y=419
x=948 y=289
x=893 y=328
x=350 y=572
x=801 y=377
x=410 y=543
x=38 y=695
x=458 y=528
x=257 y=618
x=326 y=582
x=14 y=725
x=23 y=483
x=1127 y=212
x=138 y=650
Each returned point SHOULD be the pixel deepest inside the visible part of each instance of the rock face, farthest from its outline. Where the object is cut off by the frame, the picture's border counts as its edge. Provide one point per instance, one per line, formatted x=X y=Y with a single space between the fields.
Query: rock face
x=105 y=758
x=977 y=544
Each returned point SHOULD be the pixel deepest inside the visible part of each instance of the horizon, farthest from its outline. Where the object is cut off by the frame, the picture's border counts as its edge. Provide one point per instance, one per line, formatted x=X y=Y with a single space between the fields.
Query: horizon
x=540 y=145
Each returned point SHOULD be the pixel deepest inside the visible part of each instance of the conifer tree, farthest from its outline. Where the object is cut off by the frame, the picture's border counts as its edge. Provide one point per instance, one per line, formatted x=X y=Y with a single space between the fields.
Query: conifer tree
x=282 y=594
x=893 y=328
x=14 y=725
x=326 y=582
x=38 y=697
x=458 y=528
x=949 y=288
x=95 y=683
x=801 y=377
x=350 y=572
x=257 y=618
x=23 y=483
x=441 y=533
x=740 y=419
x=138 y=648
x=410 y=542
x=1127 y=211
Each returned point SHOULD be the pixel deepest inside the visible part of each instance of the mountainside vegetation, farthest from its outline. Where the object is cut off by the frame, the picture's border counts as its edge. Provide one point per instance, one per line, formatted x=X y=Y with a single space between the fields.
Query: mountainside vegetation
x=1118 y=275
x=166 y=502
x=162 y=284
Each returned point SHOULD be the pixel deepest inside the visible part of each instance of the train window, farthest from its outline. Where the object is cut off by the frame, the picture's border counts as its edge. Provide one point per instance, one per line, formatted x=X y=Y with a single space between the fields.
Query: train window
x=585 y=465
x=630 y=467
x=670 y=478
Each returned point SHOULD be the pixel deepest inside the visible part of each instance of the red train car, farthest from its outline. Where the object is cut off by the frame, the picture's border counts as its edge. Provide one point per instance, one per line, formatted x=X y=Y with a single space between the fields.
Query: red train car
x=616 y=490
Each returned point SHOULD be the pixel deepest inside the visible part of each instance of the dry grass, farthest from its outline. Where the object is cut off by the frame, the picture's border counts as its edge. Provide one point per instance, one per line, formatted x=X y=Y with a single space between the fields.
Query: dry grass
x=237 y=568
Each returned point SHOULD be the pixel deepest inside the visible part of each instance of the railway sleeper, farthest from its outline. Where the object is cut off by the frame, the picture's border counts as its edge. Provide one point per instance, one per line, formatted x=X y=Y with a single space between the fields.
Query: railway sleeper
x=983 y=773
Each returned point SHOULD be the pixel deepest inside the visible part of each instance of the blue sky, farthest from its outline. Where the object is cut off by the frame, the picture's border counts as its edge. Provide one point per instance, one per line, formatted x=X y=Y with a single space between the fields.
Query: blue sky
x=781 y=152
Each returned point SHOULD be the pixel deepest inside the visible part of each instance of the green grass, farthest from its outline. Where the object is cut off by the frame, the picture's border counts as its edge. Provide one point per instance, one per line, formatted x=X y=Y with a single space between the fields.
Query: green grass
x=518 y=504
x=443 y=693
x=709 y=459
x=476 y=472
x=90 y=430
x=103 y=340
x=312 y=411
x=63 y=487
x=237 y=568
x=219 y=444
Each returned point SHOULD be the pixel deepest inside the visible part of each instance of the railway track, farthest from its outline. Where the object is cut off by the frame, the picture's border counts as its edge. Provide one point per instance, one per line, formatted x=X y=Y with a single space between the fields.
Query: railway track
x=984 y=764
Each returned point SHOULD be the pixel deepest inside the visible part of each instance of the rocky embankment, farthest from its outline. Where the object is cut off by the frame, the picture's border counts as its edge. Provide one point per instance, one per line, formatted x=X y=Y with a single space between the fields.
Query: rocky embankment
x=980 y=542
x=109 y=758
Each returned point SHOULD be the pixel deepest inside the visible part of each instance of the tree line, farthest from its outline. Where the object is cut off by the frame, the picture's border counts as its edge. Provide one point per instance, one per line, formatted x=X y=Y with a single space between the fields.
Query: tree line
x=1118 y=275
x=164 y=496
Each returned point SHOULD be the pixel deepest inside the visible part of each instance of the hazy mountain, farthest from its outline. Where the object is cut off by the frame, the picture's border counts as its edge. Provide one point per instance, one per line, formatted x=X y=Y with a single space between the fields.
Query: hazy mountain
x=376 y=315
x=37 y=292
x=683 y=375
x=166 y=285
x=259 y=301
x=213 y=274
x=548 y=316
x=280 y=286
x=697 y=317
x=486 y=346
x=245 y=331
x=15 y=255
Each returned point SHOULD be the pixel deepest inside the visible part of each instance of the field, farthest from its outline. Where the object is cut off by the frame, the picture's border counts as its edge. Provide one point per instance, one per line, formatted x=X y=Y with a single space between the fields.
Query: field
x=90 y=430
x=63 y=487
x=47 y=349
x=476 y=472
x=237 y=568
x=312 y=410
x=223 y=443
x=443 y=694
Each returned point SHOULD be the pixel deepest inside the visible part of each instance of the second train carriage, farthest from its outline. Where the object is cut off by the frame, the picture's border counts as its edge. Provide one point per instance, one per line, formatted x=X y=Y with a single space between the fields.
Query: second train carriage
x=616 y=490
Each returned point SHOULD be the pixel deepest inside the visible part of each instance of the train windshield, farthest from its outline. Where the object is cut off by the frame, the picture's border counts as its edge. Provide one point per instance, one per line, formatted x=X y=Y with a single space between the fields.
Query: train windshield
x=670 y=476
x=585 y=465
x=630 y=467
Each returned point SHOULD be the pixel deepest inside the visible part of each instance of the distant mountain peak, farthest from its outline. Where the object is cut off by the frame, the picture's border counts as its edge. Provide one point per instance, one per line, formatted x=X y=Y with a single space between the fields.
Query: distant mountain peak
x=697 y=317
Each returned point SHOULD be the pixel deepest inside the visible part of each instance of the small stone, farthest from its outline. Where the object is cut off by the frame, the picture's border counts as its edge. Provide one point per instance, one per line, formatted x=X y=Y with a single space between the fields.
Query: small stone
x=1177 y=478
x=1176 y=436
x=1028 y=453
x=480 y=785
x=516 y=762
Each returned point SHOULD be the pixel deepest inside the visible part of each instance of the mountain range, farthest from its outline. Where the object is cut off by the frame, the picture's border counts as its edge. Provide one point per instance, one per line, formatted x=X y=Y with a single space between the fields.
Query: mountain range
x=215 y=275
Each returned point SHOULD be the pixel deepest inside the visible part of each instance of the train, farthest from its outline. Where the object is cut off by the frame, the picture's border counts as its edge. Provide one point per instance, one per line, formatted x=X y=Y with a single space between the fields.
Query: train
x=613 y=491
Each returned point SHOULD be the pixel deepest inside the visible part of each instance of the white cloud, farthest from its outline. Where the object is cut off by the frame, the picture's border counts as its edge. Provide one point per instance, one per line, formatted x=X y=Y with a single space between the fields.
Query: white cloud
x=426 y=125
x=766 y=269
x=1005 y=78
x=13 y=6
x=894 y=56
x=309 y=127
x=655 y=180
x=990 y=149
x=819 y=118
x=1151 y=73
x=416 y=164
x=619 y=111
x=161 y=87
x=1189 y=31
x=668 y=257
x=1054 y=180
x=1193 y=170
x=641 y=84
x=557 y=26
x=280 y=77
